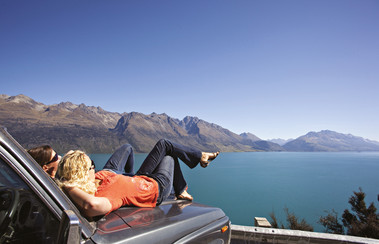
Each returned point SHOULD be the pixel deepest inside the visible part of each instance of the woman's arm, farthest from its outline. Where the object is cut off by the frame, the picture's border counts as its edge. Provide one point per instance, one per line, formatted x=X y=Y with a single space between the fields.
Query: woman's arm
x=89 y=205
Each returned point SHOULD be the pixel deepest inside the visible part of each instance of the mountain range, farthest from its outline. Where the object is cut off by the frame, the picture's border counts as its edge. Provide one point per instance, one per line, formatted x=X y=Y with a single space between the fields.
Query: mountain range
x=326 y=141
x=68 y=126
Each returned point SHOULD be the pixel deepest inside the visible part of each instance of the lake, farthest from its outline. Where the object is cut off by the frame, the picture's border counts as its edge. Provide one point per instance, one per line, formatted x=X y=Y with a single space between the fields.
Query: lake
x=254 y=184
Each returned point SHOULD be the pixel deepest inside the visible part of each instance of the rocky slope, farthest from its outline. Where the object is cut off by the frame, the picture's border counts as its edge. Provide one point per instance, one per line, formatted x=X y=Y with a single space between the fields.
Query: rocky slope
x=68 y=126
x=142 y=131
x=65 y=126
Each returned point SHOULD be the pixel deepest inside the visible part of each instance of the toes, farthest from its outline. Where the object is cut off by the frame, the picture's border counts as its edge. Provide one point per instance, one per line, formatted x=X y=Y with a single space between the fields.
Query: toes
x=185 y=196
x=213 y=155
x=204 y=164
x=207 y=157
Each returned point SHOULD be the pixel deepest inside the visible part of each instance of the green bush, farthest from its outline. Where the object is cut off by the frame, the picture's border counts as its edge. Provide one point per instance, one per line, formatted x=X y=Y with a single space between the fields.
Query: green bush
x=362 y=221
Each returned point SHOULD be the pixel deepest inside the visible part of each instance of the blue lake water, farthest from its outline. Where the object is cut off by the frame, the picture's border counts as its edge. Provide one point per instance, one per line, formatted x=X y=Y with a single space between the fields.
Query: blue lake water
x=254 y=184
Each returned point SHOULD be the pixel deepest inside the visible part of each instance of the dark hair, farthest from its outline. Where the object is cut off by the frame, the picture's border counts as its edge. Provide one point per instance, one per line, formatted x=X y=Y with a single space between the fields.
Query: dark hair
x=41 y=154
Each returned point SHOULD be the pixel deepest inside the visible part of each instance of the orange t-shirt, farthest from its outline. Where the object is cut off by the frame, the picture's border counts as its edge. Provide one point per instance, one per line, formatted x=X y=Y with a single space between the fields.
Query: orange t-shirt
x=121 y=190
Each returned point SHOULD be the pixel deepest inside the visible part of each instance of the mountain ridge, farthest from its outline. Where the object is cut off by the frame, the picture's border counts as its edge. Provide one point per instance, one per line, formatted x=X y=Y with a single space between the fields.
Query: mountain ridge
x=330 y=141
x=68 y=126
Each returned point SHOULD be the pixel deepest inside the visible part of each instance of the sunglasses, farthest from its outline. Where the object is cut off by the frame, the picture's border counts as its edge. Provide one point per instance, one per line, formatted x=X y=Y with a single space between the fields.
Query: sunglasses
x=92 y=165
x=55 y=158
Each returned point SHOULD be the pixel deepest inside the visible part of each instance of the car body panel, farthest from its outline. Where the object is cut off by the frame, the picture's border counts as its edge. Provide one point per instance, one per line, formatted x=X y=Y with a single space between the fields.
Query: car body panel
x=166 y=223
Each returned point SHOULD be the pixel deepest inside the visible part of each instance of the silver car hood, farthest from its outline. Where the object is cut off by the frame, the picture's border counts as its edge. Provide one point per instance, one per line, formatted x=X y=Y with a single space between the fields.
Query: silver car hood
x=178 y=218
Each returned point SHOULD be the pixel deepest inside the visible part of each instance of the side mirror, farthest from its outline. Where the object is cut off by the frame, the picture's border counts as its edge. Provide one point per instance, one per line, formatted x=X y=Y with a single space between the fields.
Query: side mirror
x=69 y=228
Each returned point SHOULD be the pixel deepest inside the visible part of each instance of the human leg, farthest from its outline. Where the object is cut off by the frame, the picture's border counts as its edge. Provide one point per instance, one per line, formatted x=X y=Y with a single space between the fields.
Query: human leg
x=179 y=183
x=164 y=175
x=122 y=160
x=191 y=157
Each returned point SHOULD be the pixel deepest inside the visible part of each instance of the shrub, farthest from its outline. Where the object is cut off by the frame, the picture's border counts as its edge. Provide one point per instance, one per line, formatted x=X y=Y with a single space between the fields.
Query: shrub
x=362 y=221
x=292 y=221
x=331 y=223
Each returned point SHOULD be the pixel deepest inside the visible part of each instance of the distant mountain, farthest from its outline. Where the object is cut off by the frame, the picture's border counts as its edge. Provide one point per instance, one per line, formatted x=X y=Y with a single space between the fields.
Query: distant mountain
x=279 y=141
x=144 y=130
x=68 y=126
x=260 y=144
x=250 y=136
x=267 y=146
x=330 y=141
x=65 y=126
x=24 y=108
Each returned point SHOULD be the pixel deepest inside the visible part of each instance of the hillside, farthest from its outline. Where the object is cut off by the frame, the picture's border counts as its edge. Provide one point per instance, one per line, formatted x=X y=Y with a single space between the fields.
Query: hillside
x=68 y=126
x=330 y=141
x=280 y=141
x=142 y=131
x=65 y=126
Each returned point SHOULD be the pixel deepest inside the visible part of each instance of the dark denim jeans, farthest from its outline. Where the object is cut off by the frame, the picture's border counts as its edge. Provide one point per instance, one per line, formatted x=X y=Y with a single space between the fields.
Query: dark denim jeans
x=162 y=164
x=121 y=161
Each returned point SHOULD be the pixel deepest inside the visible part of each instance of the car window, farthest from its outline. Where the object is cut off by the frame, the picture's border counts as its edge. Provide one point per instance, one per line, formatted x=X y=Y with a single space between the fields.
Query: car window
x=23 y=216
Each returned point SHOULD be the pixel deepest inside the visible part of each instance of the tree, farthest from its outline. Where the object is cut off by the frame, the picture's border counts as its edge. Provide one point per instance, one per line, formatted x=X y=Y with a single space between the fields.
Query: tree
x=362 y=221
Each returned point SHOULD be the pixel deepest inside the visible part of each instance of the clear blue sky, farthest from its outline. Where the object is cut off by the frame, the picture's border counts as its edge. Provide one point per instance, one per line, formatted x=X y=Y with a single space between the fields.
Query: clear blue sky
x=277 y=69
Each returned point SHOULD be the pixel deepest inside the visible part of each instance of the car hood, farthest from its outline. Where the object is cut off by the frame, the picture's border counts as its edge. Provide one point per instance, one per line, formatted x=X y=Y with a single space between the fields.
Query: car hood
x=178 y=218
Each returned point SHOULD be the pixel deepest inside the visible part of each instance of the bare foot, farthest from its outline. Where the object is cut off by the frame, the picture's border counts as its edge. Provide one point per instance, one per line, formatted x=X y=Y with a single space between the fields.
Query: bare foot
x=206 y=158
x=185 y=196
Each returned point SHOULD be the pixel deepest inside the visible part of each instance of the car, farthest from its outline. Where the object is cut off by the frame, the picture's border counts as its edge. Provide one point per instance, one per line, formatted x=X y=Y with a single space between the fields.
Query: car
x=34 y=209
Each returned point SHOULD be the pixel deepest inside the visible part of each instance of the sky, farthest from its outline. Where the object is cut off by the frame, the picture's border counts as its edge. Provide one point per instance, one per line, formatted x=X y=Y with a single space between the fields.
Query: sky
x=274 y=68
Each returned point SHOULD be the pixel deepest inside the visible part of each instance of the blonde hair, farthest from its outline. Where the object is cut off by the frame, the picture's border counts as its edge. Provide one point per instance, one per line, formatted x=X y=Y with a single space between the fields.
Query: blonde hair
x=73 y=171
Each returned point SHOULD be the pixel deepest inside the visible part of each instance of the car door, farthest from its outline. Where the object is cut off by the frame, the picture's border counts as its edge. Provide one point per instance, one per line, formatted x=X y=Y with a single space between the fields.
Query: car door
x=32 y=207
x=23 y=216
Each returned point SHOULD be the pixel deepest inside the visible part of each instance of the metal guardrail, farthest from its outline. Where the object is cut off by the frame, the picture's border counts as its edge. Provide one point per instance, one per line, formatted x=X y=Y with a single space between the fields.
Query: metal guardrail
x=255 y=235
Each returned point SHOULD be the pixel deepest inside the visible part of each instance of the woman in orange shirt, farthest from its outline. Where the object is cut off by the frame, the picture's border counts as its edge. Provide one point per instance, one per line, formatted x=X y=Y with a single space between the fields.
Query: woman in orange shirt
x=105 y=191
